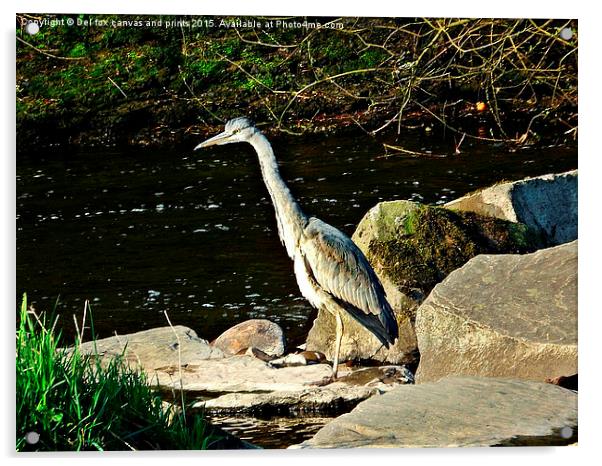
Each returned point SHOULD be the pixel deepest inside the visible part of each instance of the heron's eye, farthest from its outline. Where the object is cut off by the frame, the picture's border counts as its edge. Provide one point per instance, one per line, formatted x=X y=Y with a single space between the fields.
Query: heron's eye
x=235 y=131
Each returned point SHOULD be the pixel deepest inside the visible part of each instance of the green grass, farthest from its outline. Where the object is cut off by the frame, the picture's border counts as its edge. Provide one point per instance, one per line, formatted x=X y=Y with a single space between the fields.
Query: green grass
x=75 y=403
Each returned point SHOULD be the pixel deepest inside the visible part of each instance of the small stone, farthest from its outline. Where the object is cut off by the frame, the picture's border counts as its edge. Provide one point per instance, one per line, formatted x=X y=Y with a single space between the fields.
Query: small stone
x=570 y=381
x=252 y=351
x=261 y=334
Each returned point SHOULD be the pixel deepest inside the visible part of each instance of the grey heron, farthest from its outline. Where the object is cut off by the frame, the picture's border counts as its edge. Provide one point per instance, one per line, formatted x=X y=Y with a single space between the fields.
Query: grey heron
x=331 y=271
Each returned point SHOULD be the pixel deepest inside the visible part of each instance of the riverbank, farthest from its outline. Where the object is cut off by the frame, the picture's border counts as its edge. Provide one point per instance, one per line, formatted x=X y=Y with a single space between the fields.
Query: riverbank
x=153 y=86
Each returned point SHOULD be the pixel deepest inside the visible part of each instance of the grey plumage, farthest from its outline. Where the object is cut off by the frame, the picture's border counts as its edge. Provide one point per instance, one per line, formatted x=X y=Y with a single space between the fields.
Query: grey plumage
x=342 y=270
x=332 y=272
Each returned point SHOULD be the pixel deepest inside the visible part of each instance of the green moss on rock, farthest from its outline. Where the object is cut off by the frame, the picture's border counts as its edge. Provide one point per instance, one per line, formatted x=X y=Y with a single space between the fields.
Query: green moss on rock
x=421 y=245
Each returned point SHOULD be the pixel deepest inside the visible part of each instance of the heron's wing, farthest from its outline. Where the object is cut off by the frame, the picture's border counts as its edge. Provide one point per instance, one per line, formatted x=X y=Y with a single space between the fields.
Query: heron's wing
x=340 y=268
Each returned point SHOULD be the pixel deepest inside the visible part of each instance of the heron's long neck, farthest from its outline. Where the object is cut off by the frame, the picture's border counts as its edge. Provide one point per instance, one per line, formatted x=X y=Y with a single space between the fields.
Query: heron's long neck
x=291 y=219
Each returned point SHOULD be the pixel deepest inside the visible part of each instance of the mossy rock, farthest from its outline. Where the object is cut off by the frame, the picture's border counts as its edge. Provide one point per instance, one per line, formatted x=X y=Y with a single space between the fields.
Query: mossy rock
x=416 y=246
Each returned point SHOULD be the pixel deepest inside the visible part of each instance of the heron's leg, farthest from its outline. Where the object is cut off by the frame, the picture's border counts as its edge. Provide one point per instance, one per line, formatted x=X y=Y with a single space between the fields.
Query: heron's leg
x=337 y=344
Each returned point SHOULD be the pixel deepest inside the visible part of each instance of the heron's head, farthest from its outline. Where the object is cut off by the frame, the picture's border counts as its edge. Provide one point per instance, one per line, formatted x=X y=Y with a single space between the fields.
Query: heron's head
x=237 y=130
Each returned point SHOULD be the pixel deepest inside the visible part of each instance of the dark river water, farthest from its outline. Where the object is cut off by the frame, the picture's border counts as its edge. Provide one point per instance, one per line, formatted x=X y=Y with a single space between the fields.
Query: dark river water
x=141 y=232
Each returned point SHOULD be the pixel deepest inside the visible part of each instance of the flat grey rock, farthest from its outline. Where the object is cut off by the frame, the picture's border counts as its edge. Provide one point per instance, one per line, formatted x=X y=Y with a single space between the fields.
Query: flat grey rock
x=213 y=377
x=155 y=348
x=503 y=315
x=547 y=203
x=456 y=412
x=336 y=397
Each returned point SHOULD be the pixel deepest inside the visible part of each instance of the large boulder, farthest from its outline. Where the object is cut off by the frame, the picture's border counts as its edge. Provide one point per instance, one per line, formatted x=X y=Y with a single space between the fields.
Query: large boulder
x=457 y=412
x=546 y=203
x=412 y=247
x=157 y=347
x=262 y=334
x=503 y=316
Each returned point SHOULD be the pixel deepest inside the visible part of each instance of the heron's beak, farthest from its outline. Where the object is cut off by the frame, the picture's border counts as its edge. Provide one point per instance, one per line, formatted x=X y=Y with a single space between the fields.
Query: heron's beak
x=221 y=138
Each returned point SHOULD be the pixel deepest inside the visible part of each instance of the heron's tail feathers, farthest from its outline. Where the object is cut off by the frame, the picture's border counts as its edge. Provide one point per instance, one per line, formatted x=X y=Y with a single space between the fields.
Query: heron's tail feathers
x=383 y=326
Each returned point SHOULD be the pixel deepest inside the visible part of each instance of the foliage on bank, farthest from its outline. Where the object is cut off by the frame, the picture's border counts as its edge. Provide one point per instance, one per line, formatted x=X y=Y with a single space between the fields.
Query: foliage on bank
x=511 y=80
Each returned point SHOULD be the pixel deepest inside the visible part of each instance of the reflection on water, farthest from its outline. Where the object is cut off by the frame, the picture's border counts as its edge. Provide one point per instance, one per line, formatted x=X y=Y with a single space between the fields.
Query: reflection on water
x=275 y=432
x=137 y=233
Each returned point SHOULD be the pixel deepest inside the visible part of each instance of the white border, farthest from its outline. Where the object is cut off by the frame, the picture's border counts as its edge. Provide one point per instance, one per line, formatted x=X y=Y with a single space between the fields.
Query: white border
x=458 y=8
x=590 y=234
